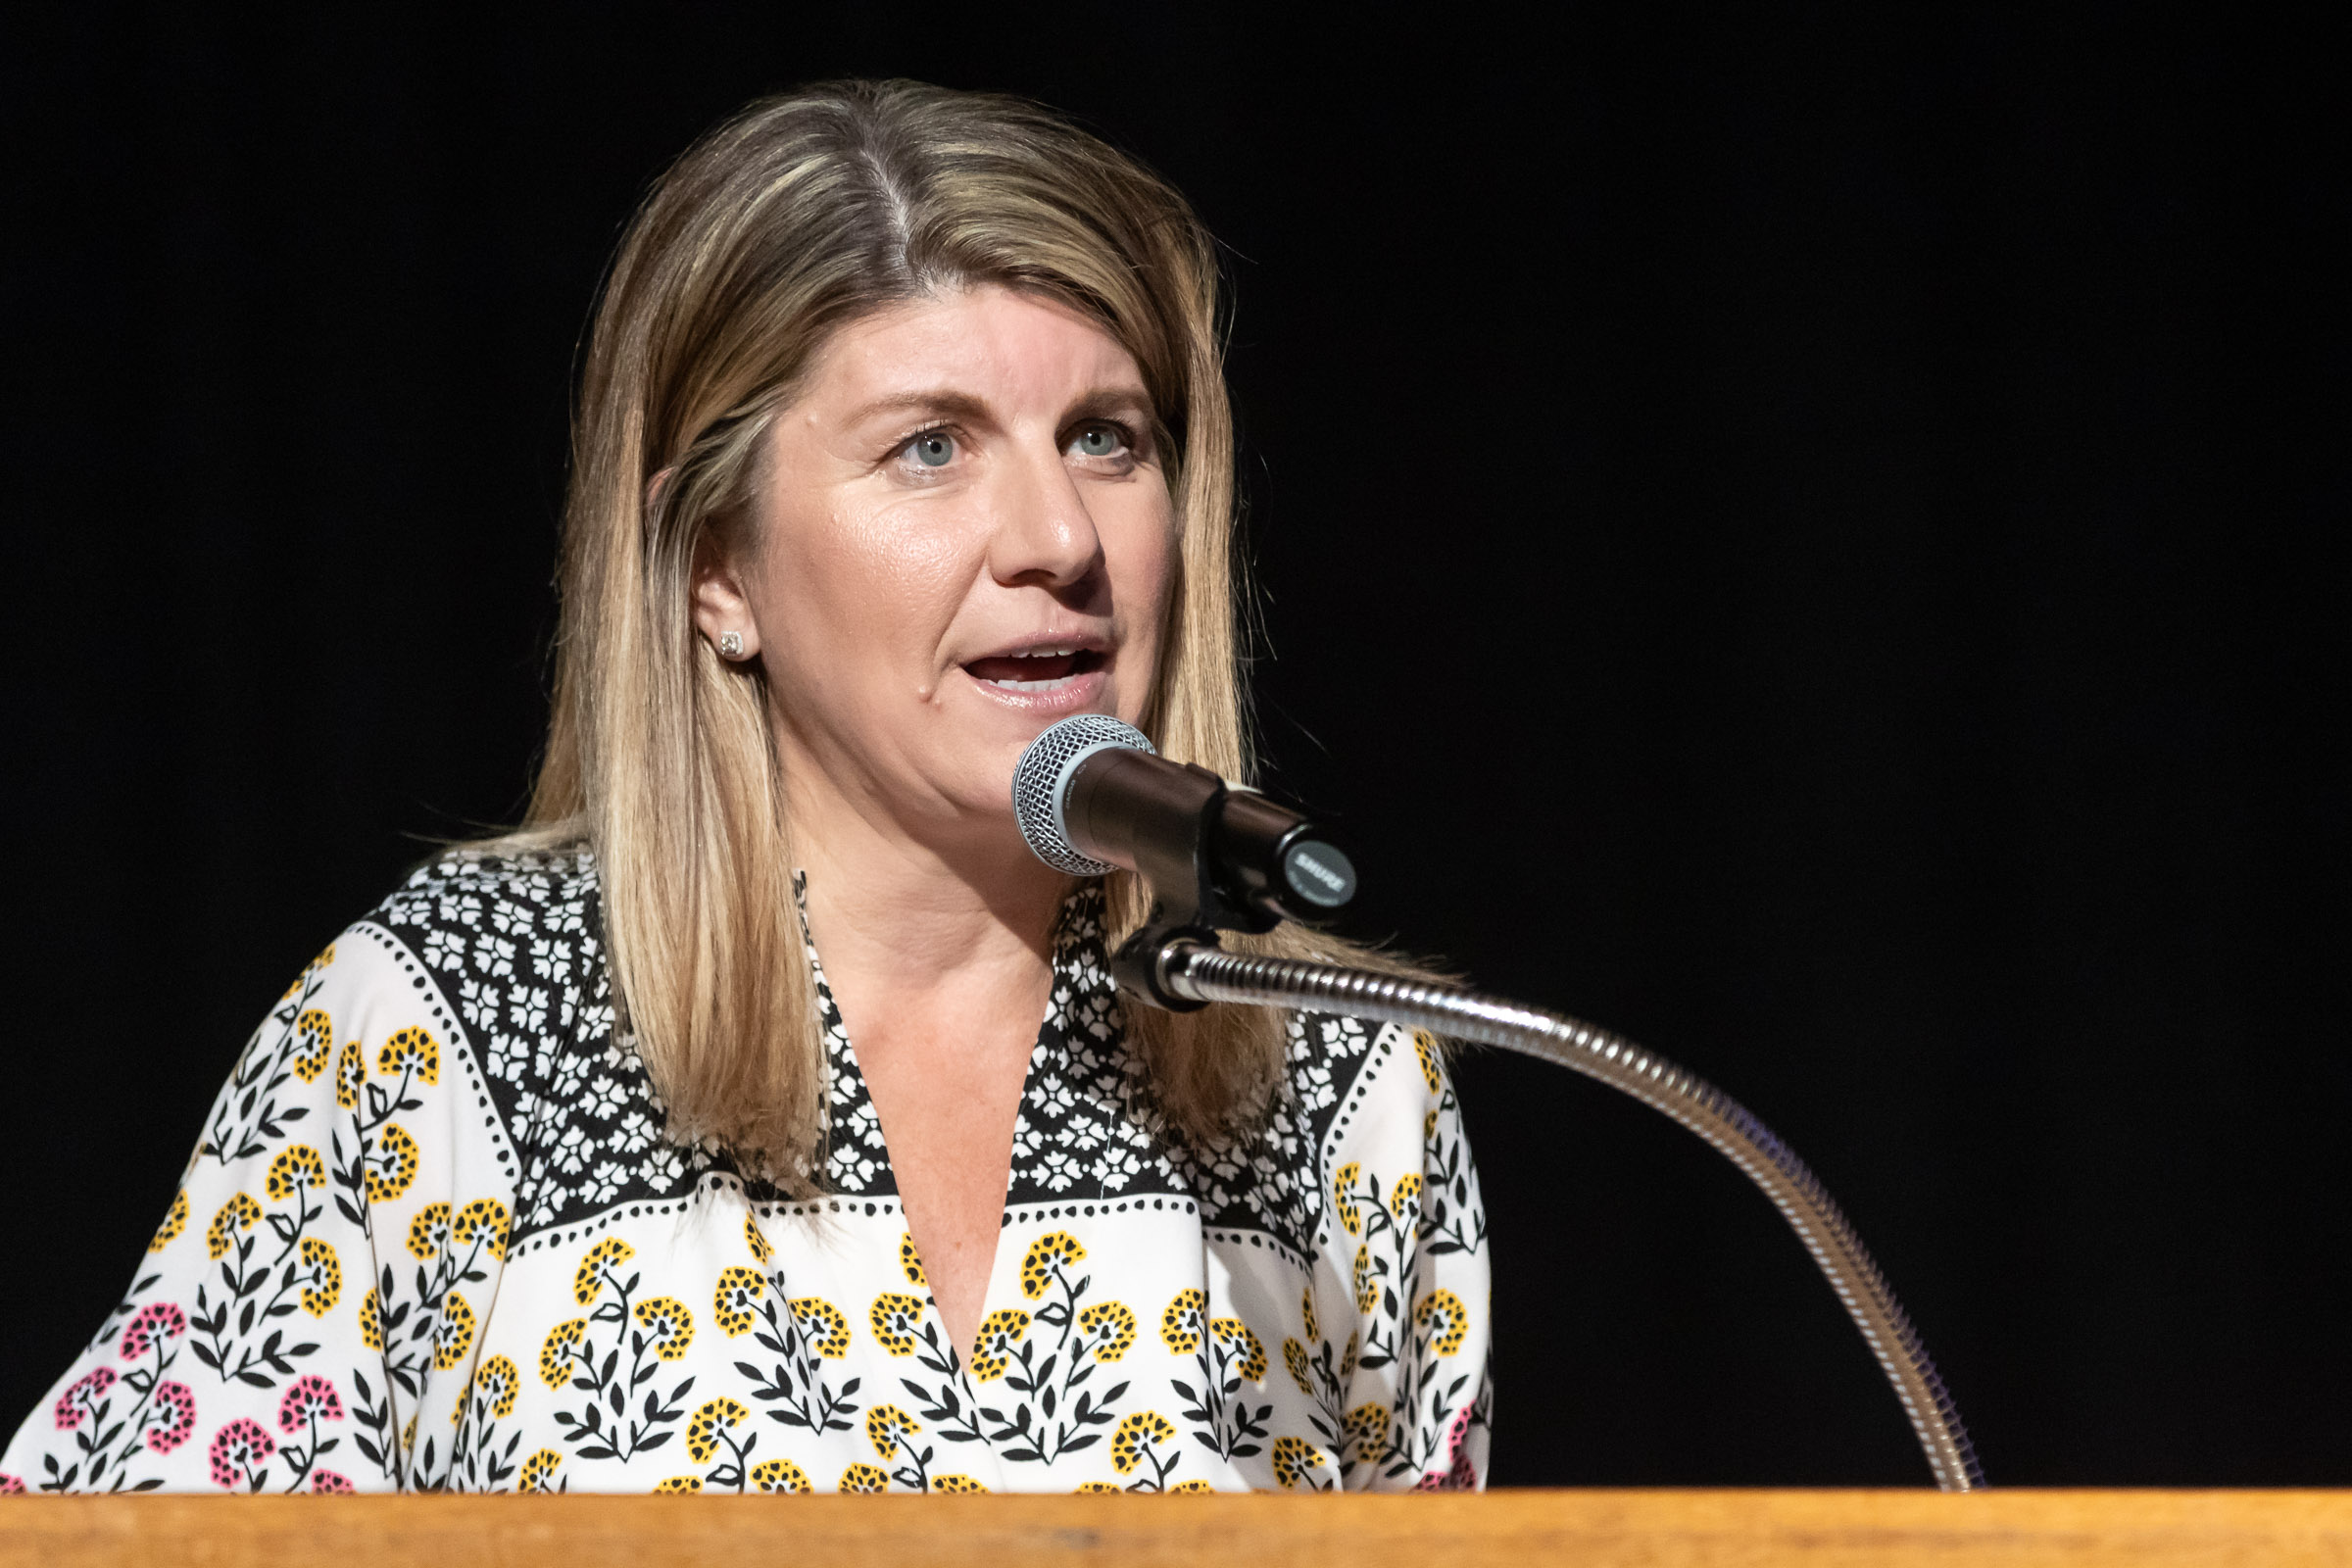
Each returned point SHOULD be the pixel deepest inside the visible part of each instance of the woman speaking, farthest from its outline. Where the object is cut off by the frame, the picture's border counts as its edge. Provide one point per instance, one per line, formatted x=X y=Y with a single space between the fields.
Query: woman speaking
x=703 y=1134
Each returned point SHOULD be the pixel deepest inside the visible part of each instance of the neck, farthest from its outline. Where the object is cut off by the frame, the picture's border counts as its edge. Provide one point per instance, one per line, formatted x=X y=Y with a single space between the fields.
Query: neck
x=912 y=917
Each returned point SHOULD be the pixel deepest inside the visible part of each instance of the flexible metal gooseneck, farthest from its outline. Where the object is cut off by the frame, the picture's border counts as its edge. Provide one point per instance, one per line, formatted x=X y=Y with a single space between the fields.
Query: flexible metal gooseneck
x=1197 y=972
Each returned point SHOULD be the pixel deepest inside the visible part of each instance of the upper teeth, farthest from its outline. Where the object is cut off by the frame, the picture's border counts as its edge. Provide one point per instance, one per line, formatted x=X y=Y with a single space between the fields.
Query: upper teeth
x=1045 y=653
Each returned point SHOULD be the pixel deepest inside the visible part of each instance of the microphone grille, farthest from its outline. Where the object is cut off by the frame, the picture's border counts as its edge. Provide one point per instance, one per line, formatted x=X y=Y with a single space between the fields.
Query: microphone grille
x=1042 y=778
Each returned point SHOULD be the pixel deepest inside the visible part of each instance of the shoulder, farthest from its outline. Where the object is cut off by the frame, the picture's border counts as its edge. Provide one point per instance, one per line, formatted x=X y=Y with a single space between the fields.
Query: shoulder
x=1346 y=1076
x=515 y=943
x=1348 y=1085
x=507 y=936
x=550 y=892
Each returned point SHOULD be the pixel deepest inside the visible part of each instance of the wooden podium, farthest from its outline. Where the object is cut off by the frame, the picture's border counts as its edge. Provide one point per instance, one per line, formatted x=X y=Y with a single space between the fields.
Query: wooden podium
x=1601 y=1527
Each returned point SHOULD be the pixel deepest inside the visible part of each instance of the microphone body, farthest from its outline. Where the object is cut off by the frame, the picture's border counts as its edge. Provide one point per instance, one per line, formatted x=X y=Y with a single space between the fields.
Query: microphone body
x=1092 y=796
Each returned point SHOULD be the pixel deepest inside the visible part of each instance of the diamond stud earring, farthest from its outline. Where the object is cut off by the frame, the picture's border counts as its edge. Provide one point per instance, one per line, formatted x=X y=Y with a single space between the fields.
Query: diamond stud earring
x=730 y=645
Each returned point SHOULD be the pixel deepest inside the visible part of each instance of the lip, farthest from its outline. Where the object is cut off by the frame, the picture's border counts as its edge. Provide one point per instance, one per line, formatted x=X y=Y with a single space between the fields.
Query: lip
x=1079 y=691
x=1082 y=642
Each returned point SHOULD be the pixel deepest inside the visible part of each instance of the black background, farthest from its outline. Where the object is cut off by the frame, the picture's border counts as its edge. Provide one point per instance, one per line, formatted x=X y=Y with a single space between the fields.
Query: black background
x=1812 y=542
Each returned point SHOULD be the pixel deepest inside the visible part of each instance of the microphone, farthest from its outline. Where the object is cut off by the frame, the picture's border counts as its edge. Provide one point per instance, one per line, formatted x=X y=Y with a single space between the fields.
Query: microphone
x=1093 y=795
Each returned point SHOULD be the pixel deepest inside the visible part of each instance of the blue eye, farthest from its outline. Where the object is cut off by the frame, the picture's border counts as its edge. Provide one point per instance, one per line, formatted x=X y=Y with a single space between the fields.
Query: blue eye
x=1097 y=441
x=934 y=451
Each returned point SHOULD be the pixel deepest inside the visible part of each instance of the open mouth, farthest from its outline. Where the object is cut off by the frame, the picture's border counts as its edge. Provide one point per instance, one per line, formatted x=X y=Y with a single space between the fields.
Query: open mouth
x=1040 y=669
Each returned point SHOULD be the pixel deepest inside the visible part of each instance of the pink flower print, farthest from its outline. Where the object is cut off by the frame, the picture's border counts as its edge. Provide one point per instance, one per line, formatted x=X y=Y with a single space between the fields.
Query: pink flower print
x=157 y=1320
x=1465 y=1473
x=1459 y=1474
x=10 y=1486
x=240 y=1452
x=328 y=1481
x=312 y=1398
x=74 y=1403
x=170 y=1417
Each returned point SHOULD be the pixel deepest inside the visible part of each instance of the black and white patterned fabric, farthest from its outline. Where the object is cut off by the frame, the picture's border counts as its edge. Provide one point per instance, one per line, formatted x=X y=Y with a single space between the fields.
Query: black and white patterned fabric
x=435 y=1236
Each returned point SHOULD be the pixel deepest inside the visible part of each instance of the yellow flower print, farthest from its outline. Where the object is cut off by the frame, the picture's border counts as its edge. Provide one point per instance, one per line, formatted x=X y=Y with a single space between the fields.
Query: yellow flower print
x=1429 y=1126
x=1134 y=1436
x=827 y=1329
x=893 y=1319
x=864 y=1478
x=1234 y=1333
x=1447 y=1306
x=606 y=1255
x=317 y=1034
x=679 y=1484
x=1115 y=1323
x=176 y=1220
x=1347 y=1358
x=701 y=1433
x=1293 y=1357
x=760 y=1250
x=326 y=1276
x=1190 y=1485
x=1367 y=1287
x=735 y=1304
x=912 y=1262
x=672 y=1326
x=1294 y=1458
x=499 y=1382
x=1307 y=1313
x=1405 y=1197
x=1112 y=1487
x=428 y=1232
x=1427 y=1048
x=412 y=1051
x=1367 y=1426
x=454 y=1337
x=955 y=1484
x=237 y=1214
x=372 y=1321
x=397 y=1152
x=485 y=1218
x=992 y=1346
x=779 y=1475
x=1180 y=1324
x=885 y=1425
x=351 y=1073
x=537 y=1469
x=556 y=1353
x=1343 y=1181
x=1037 y=1265
x=407 y=1433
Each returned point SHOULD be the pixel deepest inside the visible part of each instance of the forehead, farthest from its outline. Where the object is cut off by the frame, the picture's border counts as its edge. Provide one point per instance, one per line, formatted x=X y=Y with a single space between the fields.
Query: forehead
x=989 y=342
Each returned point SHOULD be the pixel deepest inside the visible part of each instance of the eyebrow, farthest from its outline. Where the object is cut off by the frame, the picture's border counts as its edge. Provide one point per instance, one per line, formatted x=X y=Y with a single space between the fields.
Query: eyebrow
x=962 y=405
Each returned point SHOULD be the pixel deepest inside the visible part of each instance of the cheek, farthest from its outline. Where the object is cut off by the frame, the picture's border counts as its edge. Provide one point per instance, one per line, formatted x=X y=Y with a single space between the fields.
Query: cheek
x=1142 y=560
x=864 y=593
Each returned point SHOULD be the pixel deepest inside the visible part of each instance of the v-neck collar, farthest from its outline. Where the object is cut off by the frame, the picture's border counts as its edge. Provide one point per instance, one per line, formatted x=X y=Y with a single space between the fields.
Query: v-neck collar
x=857 y=1157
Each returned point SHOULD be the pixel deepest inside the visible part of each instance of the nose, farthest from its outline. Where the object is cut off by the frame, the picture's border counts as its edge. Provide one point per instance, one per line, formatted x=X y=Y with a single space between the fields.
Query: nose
x=1044 y=535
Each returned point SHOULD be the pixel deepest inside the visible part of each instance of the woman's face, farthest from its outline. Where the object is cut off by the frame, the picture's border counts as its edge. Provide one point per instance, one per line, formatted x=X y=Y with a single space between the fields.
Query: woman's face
x=964 y=533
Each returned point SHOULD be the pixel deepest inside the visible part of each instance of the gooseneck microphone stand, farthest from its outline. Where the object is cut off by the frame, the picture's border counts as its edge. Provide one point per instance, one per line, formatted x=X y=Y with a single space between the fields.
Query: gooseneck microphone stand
x=1091 y=797
x=1195 y=971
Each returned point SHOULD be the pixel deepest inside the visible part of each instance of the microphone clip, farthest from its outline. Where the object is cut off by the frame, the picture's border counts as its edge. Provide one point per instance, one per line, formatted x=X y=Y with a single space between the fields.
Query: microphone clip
x=1187 y=903
x=1244 y=865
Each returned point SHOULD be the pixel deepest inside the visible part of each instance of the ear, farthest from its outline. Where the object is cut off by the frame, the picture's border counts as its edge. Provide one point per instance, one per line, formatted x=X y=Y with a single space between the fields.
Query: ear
x=721 y=604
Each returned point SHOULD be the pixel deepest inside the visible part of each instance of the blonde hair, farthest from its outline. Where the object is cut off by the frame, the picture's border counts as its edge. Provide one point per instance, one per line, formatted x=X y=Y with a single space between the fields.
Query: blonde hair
x=797 y=215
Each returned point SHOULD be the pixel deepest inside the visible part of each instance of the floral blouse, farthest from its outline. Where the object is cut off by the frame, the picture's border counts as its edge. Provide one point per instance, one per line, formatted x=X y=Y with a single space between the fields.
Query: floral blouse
x=433 y=1236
